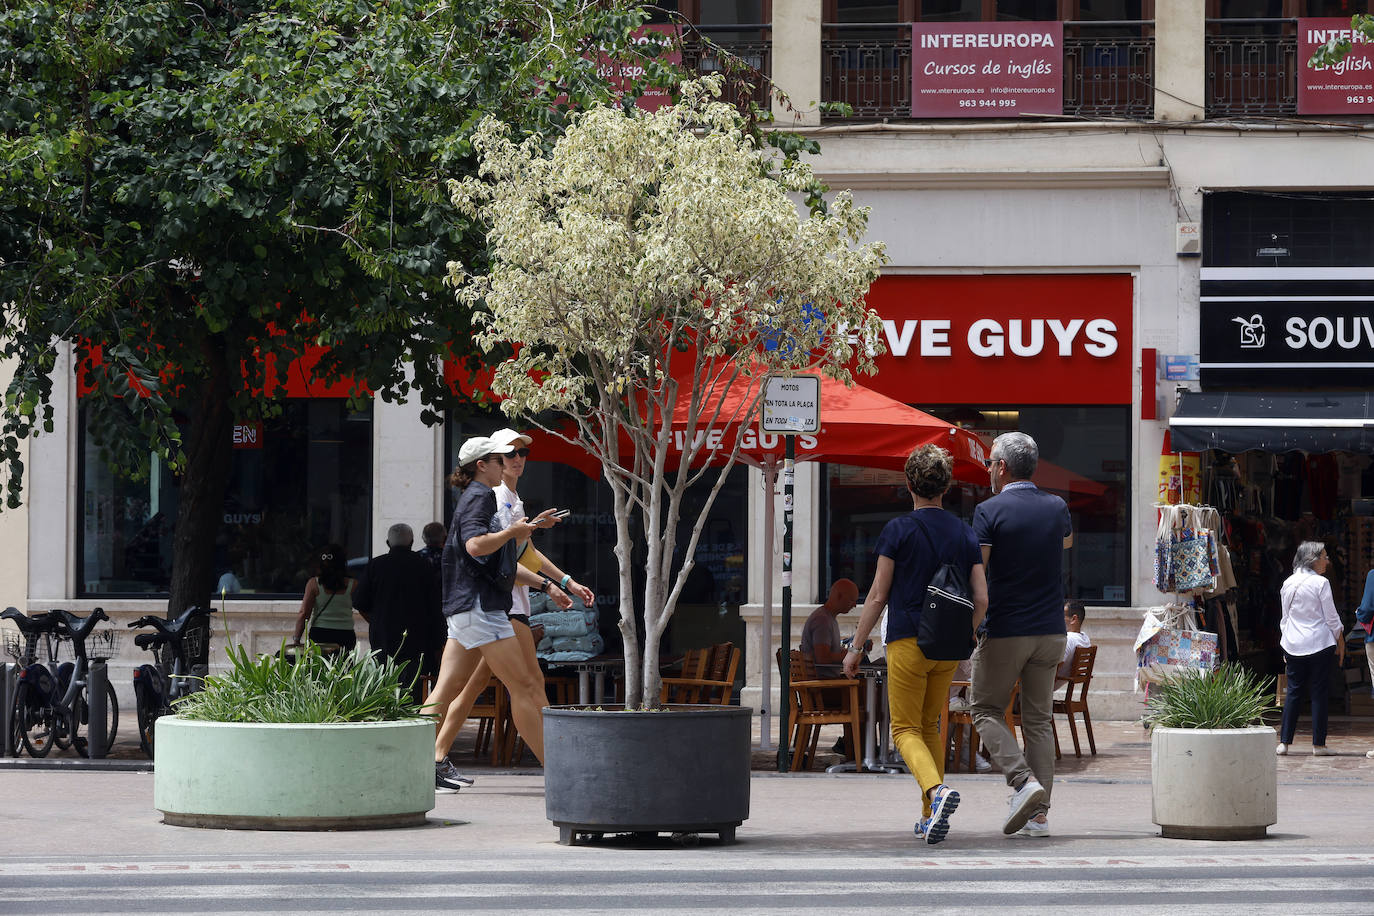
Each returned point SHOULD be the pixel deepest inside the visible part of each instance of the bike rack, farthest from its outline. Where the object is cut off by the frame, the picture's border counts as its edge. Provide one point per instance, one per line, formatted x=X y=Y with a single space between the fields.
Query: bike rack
x=97 y=676
x=9 y=679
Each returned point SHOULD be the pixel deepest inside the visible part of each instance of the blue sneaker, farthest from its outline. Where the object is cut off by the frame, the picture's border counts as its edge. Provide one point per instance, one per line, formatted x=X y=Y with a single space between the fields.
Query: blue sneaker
x=943 y=803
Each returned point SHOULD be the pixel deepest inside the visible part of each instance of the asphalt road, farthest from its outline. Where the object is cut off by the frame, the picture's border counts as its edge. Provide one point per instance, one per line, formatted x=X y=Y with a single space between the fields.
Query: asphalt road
x=84 y=842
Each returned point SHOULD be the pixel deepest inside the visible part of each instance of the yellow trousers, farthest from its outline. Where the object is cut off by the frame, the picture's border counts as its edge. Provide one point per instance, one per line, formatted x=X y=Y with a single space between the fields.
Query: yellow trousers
x=918 y=694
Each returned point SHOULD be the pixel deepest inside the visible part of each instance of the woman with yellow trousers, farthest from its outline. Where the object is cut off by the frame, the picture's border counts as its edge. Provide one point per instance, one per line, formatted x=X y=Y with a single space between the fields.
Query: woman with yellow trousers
x=910 y=550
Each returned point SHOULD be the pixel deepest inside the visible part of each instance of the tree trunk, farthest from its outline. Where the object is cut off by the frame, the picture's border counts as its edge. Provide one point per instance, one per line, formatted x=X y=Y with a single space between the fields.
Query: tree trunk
x=200 y=508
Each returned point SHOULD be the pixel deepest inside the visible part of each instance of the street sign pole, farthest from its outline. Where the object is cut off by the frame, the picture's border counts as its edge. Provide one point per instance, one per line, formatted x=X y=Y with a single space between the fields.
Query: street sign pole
x=791 y=405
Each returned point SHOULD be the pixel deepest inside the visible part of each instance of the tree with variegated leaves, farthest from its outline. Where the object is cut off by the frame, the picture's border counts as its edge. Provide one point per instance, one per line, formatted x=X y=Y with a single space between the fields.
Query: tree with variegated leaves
x=646 y=265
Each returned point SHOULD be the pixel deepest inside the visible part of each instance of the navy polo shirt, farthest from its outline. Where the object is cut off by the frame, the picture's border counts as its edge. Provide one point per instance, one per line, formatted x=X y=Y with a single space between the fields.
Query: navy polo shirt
x=914 y=563
x=1025 y=527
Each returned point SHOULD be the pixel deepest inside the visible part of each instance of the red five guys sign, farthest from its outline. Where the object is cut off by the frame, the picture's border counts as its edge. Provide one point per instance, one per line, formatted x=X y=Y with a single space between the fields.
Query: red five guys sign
x=987 y=69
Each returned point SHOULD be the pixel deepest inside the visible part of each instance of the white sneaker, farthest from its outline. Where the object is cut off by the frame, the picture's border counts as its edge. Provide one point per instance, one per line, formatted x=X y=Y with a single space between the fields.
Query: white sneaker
x=1022 y=805
x=1036 y=826
x=1369 y=753
x=1322 y=751
x=982 y=764
x=1281 y=750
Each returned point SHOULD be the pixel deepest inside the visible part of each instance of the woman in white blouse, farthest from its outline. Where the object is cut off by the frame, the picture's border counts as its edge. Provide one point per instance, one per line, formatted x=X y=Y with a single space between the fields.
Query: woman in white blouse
x=1311 y=639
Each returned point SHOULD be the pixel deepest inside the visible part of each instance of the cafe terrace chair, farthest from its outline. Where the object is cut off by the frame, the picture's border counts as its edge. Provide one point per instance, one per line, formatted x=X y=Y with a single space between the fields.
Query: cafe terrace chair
x=1080 y=676
x=708 y=676
x=961 y=725
x=815 y=702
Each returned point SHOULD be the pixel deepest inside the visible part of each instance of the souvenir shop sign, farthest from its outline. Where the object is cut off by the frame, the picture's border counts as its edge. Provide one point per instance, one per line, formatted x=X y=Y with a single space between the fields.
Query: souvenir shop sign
x=987 y=69
x=1277 y=326
x=1345 y=87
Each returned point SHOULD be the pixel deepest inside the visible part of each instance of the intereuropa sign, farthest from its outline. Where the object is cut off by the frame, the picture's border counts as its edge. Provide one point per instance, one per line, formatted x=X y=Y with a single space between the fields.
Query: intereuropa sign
x=1027 y=339
x=987 y=69
x=1346 y=87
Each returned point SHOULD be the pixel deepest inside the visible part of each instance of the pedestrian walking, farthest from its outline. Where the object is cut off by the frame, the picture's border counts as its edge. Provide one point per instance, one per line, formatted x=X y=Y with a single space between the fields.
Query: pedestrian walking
x=910 y=549
x=479 y=571
x=1312 y=638
x=326 y=612
x=555 y=583
x=398 y=596
x=1023 y=533
x=1365 y=615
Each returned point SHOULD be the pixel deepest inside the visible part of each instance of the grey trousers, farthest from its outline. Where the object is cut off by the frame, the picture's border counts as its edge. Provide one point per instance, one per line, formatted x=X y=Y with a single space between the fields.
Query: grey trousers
x=997 y=665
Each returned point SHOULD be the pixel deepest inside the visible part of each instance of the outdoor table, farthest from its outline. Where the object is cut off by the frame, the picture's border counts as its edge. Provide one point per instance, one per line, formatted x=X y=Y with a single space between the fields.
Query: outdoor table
x=594 y=692
x=877 y=755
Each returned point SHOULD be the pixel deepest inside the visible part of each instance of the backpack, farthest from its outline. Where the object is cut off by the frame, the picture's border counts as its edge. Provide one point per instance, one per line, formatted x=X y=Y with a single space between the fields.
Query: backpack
x=945 y=630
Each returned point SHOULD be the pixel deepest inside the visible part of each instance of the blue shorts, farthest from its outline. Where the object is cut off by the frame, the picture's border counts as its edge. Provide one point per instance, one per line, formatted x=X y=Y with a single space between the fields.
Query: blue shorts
x=478 y=627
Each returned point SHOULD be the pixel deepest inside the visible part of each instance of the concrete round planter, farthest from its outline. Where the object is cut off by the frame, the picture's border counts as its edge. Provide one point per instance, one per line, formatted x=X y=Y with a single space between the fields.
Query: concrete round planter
x=1214 y=784
x=681 y=770
x=344 y=776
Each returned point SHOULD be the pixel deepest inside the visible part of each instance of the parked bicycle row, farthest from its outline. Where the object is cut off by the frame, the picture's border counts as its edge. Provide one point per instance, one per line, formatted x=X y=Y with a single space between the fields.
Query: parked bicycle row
x=52 y=703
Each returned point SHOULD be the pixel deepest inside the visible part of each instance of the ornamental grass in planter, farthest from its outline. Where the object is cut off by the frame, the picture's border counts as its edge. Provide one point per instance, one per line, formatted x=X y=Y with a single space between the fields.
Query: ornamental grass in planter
x=1212 y=765
x=315 y=743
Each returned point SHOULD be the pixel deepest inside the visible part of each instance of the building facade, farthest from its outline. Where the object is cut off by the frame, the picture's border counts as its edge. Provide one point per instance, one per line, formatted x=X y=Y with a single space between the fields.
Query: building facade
x=1044 y=270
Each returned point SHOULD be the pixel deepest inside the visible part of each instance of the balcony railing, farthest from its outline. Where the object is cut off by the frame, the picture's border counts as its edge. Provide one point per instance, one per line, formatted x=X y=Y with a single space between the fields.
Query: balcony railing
x=868 y=67
x=752 y=44
x=1252 y=67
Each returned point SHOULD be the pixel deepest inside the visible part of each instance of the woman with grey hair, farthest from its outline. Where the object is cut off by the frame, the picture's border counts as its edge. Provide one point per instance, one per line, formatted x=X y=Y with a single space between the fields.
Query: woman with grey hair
x=1311 y=640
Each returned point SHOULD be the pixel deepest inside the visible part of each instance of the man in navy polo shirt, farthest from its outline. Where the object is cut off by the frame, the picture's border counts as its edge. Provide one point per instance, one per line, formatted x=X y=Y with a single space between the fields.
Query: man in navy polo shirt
x=1023 y=532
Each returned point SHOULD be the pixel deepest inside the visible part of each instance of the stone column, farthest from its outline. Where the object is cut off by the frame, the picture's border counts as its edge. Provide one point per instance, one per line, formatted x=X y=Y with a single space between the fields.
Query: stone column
x=1180 y=60
x=405 y=470
x=797 y=60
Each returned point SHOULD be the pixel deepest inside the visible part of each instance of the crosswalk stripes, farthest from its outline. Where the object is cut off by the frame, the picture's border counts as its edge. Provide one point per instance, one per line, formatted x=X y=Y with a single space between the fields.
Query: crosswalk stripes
x=701 y=880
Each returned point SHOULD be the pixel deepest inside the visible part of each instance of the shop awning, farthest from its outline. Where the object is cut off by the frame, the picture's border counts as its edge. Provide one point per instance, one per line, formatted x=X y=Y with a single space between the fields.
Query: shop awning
x=1274 y=421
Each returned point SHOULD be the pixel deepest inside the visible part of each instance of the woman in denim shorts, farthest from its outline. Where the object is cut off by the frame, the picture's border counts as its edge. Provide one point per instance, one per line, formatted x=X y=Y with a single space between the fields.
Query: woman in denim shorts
x=479 y=571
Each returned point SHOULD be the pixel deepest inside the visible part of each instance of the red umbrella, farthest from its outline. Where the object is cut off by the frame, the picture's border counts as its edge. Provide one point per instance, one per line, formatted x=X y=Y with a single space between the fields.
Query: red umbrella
x=859 y=426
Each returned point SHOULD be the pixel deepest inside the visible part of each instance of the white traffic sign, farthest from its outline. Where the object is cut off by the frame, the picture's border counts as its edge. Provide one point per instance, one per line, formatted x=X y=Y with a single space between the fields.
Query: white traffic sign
x=792 y=404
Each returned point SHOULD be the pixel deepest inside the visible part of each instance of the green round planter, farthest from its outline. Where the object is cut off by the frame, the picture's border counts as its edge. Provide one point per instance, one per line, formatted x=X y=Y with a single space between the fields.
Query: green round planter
x=347 y=776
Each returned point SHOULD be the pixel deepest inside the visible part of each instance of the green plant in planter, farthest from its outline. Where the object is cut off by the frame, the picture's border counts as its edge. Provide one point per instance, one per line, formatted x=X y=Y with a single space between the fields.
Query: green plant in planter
x=350 y=687
x=1230 y=697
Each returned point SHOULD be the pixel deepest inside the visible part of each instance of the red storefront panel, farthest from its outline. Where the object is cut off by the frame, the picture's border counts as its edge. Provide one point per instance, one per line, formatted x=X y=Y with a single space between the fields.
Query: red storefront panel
x=1003 y=339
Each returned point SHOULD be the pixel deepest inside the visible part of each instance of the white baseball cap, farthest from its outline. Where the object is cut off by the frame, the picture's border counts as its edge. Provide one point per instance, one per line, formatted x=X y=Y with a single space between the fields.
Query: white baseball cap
x=510 y=437
x=480 y=447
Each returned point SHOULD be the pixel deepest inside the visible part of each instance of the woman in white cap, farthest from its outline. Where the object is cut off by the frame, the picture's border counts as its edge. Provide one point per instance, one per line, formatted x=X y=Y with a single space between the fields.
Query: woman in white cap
x=479 y=571
x=556 y=583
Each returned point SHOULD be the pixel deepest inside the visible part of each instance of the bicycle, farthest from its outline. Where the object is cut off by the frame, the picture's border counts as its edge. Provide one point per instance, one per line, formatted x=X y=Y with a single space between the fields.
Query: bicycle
x=156 y=688
x=51 y=704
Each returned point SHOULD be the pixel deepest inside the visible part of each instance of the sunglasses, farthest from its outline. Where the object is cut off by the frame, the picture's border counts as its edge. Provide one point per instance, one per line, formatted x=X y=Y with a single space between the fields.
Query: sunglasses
x=520 y=453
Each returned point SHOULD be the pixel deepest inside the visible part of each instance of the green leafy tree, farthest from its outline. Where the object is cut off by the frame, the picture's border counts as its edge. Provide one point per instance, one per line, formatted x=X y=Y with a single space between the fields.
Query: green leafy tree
x=193 y=195
x=653 y=266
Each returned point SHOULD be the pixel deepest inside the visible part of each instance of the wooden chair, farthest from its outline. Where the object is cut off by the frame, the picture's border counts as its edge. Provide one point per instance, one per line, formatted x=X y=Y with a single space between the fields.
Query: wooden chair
x=708 y=676
x=561 y=691
x=961 y=719
x=815 y=702
x=495 y=728
x=1080 y=676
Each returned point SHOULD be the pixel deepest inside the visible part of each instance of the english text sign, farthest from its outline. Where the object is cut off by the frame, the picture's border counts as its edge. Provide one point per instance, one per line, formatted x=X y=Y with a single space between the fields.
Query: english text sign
x=987 y=69
x=1346 y=87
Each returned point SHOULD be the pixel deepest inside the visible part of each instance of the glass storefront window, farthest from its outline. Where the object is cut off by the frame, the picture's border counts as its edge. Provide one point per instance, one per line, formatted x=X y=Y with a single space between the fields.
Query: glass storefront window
x=583 y=544
x=1084 y=457
x=305 y=481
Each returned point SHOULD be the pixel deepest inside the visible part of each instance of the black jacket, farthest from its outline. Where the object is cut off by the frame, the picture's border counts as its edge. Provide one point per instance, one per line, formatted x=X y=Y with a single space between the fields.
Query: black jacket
x=400 y=597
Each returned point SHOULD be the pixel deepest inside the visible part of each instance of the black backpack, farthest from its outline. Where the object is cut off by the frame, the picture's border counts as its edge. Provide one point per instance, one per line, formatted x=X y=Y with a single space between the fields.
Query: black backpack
x=945 y=630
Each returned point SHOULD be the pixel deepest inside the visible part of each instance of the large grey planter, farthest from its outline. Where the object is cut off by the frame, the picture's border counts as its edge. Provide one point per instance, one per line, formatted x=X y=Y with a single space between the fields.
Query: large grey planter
x=348 y=776
x=681 y=770
x=1214 y=784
